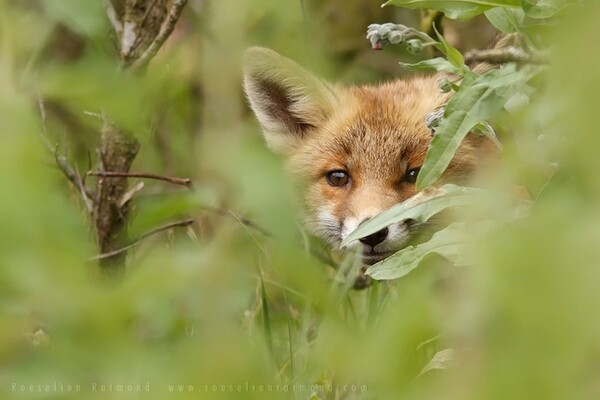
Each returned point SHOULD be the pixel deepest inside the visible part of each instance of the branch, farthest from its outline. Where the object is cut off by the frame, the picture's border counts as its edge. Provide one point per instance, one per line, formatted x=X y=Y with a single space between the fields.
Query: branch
x=242 y=220
x=86 y=194
x=73 y=176
x=145 y=175
x=129 y=194
x=504 y=55
x=142 y=21
x=165 y=31
x=114 y=19
x=117 y=152
x=182 y=223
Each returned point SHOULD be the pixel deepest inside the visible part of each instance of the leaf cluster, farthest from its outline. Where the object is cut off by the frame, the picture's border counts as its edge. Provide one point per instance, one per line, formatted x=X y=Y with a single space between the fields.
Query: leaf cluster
x=481 y=96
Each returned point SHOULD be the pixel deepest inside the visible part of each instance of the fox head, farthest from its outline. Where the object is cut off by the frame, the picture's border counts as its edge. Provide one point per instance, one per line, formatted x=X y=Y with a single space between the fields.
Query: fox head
x=357 y=150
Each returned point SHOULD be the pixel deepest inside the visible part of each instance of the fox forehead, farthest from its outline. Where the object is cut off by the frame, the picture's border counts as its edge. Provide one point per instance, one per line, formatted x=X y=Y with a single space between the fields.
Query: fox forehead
x=375 y=132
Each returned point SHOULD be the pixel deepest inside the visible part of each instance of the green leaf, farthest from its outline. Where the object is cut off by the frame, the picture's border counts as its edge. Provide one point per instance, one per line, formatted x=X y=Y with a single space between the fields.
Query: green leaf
x=474 y=103
x=453 y=55
x=455 y=9
x=435 y=64
x=508 y=20
x=546 y=23
x=540 y=9
x=420 y=208
x=447 y=243
x=519 y=100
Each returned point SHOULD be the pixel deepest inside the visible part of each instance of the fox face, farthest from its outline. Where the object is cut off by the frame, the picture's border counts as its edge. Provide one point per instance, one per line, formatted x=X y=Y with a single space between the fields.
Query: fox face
x=356 y=150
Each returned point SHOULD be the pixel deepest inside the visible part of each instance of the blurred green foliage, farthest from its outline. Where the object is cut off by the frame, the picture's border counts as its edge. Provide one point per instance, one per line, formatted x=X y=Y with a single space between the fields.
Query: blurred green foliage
x=224 y=310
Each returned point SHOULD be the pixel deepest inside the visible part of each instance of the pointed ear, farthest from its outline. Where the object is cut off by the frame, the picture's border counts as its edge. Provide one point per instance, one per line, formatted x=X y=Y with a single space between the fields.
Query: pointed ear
x=288 y=101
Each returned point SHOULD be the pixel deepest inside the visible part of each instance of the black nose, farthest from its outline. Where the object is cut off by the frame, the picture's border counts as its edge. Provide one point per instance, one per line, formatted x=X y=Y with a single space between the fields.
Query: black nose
x=375 y=238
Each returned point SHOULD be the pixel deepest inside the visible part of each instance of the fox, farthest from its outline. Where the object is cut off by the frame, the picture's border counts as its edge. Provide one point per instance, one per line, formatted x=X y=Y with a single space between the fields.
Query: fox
x=356 y=150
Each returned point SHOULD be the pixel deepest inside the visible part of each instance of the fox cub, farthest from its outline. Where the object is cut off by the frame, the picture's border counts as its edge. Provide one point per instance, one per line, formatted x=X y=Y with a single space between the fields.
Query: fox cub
x=357 y=150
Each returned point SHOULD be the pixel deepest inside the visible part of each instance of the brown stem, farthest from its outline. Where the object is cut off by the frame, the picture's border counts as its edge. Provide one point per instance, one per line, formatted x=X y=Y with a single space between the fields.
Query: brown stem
x=504 y=55
x=165 y=31
x=117 y=152
x=122 y=250
x=113 y=17
x=145 y=175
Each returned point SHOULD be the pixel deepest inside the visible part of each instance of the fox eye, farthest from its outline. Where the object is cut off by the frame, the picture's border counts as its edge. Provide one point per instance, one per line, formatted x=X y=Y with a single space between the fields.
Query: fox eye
x=411 y=175
x=338 y=178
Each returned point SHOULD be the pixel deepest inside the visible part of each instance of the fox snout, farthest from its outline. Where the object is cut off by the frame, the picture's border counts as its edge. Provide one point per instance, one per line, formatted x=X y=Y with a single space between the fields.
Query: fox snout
x=379 y=245
x=375 y=238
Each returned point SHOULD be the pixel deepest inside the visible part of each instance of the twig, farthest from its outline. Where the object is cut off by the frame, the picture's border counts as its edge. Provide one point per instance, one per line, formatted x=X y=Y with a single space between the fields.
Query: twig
x=84 y=193
x=73 y=176
x=505 y=55
x=142 y=31
x=114 y=19
x=42 y=107
x=241 y=220
x=253 y=225
x=44 y=131
x=130 y=193
x=145 y=175
x=147 y=13
x=92 y=114
x=165 y=31
x=245 y=225
x=322 y=257
x=182 y=223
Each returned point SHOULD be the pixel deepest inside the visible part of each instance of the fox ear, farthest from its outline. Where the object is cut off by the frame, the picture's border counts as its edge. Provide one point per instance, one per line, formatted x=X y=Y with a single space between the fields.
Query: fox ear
x=288 y=101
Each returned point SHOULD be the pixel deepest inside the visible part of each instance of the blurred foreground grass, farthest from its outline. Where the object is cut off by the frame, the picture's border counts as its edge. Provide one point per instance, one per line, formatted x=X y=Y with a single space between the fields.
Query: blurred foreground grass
x=227 y=312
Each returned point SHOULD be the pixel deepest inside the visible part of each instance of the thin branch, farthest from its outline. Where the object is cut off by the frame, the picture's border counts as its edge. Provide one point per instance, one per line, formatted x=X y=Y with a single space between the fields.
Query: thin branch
x=73 y=176
x=129 y=194
x=182 y=223
x=147 y=13
x=69 y=172
x=145 y=175
x=504 y=55
x=42 y=107
x=93 y=114
x=322 y=257
x=253 y=225
x=242 y=220
x=245 y=225
x=141 y=29
x=85 y=193
x=165 y=31
x=113 y=17
x=553 y=173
